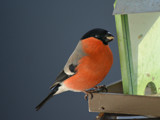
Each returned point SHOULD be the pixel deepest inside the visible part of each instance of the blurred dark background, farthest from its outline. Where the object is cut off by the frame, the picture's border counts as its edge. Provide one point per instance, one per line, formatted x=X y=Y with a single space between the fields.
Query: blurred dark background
x=36 y=39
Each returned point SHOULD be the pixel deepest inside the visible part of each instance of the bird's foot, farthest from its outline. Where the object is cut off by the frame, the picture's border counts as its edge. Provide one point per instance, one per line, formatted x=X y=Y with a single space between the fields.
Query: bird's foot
x=87 y=93
x=97 y=89
x=101 y=88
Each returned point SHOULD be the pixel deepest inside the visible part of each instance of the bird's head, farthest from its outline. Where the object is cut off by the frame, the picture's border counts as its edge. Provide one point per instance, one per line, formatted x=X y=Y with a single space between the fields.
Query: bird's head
x=99 y=34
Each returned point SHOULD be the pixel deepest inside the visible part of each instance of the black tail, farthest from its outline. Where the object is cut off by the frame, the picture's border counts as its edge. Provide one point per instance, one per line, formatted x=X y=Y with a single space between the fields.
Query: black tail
x=47 y=98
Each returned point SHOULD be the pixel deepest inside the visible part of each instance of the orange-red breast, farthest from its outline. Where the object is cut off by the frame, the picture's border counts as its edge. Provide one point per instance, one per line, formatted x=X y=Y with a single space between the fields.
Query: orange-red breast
x=87 y=66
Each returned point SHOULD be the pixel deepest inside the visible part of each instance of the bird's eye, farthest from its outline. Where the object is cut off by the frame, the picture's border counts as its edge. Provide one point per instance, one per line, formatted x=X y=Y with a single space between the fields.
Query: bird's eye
x=109 y=33
x=96 y=36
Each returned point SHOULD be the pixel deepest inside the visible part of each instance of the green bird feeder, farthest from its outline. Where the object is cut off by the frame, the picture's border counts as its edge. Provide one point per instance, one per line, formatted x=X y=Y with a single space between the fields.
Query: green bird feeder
x=138 y=33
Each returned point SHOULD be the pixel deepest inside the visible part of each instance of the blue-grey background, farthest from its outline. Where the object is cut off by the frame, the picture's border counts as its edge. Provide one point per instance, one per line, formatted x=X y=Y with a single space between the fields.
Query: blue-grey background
x=36 y=39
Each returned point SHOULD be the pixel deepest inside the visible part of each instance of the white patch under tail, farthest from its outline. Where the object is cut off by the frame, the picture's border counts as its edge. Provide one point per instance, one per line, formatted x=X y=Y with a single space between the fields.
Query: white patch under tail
x=64 y=88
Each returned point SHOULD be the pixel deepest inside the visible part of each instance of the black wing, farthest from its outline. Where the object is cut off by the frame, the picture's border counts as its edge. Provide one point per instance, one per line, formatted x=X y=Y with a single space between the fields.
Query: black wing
x=63 y=76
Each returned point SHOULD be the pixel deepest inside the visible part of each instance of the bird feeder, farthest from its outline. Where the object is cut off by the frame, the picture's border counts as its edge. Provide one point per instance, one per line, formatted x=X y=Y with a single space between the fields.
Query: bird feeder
x=138 y=34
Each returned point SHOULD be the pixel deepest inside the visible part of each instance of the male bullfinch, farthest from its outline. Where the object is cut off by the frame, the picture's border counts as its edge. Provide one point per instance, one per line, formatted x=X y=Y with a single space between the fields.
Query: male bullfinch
x=87 y=66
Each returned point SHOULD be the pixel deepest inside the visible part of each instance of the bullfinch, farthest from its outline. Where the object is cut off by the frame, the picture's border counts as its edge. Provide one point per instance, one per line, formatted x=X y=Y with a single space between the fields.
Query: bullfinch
x=87 y=66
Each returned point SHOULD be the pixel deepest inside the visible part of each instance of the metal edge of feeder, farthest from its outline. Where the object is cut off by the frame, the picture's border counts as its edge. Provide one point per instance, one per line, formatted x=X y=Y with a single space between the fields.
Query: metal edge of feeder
x=125 y=104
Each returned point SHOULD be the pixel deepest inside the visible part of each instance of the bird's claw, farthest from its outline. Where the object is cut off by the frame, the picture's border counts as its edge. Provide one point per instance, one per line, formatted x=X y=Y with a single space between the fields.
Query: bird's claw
x=101 y=88
x=88 y=93
x=96 y=89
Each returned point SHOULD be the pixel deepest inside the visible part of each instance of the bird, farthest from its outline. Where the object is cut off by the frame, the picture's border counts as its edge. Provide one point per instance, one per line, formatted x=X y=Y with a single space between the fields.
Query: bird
x=87 y=66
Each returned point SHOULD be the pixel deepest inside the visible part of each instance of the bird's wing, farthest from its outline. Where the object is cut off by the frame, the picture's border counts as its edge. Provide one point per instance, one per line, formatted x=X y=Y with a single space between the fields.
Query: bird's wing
x=72 y=63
